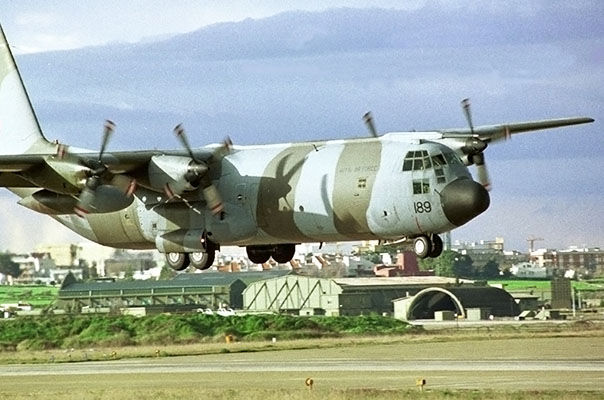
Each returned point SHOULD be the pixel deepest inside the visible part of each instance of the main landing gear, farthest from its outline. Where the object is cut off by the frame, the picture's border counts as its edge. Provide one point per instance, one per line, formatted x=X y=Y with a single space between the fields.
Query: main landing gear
x=428 y=246
x=281 y=253
x=200 y=259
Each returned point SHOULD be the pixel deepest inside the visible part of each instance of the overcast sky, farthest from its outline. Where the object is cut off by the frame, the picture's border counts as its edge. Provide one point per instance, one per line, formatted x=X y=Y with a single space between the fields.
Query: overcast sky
x=279 y=71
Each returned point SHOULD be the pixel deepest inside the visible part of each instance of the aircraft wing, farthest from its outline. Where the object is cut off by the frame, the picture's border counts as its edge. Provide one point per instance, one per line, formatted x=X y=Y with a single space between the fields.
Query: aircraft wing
x=121 y=162
x=491 y=133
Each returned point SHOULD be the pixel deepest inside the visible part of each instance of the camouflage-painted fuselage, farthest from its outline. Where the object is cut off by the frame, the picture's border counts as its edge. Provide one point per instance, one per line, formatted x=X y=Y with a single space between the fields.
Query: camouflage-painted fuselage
x=293 y=193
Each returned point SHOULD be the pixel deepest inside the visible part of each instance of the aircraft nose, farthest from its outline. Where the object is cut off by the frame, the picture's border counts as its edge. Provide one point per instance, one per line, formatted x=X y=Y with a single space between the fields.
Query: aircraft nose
x=464 y=199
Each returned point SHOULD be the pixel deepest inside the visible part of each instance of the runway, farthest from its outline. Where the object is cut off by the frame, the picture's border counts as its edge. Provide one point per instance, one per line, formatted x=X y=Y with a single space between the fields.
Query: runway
x=501 y=364
x=179 y=365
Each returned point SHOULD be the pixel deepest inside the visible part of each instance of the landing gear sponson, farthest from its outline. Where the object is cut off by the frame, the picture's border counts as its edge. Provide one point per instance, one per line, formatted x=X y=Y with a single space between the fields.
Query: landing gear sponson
x=428 y=246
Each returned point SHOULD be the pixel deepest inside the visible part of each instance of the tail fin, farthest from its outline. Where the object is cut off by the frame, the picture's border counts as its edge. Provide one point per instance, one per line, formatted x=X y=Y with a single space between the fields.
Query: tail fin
x=19 y=129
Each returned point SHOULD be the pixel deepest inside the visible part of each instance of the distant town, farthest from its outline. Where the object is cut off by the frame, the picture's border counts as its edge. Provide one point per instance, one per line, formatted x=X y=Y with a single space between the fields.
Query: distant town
x=49 y=264
x=476 y=281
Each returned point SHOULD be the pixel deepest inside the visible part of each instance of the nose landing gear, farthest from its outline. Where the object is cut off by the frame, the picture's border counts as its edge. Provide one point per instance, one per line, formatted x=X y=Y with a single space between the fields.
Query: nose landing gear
x=428 y=246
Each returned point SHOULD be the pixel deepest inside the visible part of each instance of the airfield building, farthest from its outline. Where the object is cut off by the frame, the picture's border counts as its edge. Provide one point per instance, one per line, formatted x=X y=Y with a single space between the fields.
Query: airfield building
x=184 y=292
x=356 y=296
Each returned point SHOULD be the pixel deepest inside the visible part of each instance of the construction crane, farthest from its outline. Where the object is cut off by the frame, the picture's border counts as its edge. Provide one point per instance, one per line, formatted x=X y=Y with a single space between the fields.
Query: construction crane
x=532 y=239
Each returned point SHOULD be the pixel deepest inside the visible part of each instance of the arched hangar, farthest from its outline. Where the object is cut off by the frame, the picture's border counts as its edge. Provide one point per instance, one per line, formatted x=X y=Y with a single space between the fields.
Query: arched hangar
x=458 y=299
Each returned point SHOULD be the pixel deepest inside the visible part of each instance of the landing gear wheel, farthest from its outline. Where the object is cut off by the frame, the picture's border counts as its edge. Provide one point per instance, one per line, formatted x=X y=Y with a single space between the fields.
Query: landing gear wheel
x=437 y=246
x=178 y=261
x=422 y=246
x=258 y=254
x=202 y=259
x=284 y=253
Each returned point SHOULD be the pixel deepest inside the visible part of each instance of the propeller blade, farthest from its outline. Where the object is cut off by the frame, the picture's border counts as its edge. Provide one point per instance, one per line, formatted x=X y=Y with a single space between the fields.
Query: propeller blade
x=482 y=171
x=62 y=151
x=109 y=127
x=227 y=144
x=368 y=118
x=179 y=131
x=125 y=184
x=223 y=150
x=213 y=199
x=200 y=171
x=465 y=104
x=86 y=198
x=483 y=176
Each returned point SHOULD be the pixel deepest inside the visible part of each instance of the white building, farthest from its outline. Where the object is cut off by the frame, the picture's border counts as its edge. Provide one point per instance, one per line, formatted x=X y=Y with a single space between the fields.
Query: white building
x=68 y=255
x=530 y=270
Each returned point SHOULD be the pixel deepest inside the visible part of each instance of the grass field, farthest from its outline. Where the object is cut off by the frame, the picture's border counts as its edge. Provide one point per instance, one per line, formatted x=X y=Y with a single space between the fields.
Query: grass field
x=36 y=295
x=100 y=353
x=525 y=284
x=189 y=386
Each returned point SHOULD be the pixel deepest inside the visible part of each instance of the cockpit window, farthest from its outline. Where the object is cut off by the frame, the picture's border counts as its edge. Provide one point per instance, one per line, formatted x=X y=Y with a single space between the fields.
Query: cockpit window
x=416 y=161
x=438 y=160
x=452 y=158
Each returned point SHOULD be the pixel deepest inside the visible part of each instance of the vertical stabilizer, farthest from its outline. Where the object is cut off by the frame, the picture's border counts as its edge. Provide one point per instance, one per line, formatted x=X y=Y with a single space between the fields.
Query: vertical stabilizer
x=19 y=129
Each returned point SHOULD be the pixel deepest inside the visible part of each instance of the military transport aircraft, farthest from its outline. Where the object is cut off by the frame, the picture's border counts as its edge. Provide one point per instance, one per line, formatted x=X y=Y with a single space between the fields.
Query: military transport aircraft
x=399 y=186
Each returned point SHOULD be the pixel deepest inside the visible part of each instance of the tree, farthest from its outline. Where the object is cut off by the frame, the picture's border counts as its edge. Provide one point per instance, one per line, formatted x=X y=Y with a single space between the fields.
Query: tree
x=490 y=269
x=92 y=272
x=8 y=266
x=83 y=265
x=463 y=266
x=449 y=263
x=167 y=272
x=129 y=273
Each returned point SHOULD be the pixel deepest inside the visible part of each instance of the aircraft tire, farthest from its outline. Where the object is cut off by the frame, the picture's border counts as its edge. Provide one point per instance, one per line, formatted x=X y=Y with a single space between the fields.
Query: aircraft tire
x=422 y=246
x=178 y=261
x=284 y=253
x=202 y=259
x=258 y=254
x=437 y=247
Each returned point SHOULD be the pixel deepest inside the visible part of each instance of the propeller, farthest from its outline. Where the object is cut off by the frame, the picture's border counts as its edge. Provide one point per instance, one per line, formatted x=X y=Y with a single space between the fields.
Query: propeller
x=474 y=148
x=198 y=171
x=465 y=104
x=368 y=118
x=104 y=198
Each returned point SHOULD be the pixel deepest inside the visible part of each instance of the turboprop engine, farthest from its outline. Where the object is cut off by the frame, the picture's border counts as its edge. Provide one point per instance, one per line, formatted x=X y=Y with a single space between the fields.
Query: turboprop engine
x=175 y=174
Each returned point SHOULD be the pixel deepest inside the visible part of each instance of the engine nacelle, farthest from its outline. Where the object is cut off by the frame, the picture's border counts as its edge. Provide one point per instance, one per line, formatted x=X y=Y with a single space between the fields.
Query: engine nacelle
x=107 y=198
x=174 y=174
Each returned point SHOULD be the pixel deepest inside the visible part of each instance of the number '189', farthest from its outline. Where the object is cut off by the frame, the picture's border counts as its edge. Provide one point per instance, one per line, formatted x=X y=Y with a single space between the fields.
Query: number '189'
x=421 y=207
